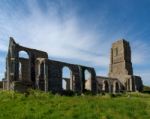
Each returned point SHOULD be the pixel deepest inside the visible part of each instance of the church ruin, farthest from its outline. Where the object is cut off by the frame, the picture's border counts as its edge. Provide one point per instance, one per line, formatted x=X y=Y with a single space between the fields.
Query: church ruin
x=120 y=77
x=38 y=72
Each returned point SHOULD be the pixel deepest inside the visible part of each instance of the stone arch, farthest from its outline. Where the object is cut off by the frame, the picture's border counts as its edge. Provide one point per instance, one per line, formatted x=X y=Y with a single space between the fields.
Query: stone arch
x=40 y=74
x=92 y=80
x=67 y=81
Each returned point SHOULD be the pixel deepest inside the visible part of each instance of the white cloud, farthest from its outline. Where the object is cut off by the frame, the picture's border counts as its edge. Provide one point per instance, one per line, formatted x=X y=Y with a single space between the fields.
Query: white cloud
x=60 y=38
x=140 y=52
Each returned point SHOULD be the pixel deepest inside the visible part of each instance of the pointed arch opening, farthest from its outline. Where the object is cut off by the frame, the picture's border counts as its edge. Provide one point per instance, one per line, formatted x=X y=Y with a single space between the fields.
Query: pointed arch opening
x=66 y=78
x=23 y=54
x=23 y=66
x=87 y=80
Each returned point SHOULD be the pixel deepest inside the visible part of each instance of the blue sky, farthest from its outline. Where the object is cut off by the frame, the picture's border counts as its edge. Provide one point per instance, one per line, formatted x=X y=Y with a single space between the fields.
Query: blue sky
x=78 y=31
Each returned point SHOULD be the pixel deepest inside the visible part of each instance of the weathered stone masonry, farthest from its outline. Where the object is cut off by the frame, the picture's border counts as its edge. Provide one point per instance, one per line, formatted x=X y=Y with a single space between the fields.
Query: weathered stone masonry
x=39 y=72
x=121 y=66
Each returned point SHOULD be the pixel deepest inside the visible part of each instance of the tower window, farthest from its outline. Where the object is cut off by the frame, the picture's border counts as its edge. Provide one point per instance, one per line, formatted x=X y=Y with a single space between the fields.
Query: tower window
x=116 y=51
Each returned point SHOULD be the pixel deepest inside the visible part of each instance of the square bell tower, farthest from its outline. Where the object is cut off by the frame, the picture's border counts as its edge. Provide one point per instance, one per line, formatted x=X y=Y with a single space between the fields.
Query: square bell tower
x=120 y=59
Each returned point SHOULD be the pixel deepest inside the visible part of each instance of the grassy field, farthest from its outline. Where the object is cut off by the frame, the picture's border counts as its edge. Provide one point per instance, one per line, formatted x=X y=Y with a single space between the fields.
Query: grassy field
x=39 y=105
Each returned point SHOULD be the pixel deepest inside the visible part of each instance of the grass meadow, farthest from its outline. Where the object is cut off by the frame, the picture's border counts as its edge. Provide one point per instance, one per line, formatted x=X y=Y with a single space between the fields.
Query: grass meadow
x=40 y=105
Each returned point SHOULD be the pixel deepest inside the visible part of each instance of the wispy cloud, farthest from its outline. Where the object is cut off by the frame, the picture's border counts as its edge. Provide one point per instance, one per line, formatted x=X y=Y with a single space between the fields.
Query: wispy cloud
x=60 y=36
x=140 y=51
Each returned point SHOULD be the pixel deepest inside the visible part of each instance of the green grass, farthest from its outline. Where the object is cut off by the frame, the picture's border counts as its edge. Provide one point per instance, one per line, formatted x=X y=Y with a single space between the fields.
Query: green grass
x=40 y=105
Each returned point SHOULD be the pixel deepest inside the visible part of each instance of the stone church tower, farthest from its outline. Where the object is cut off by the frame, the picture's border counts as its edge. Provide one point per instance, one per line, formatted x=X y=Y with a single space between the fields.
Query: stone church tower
x=121 y=66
